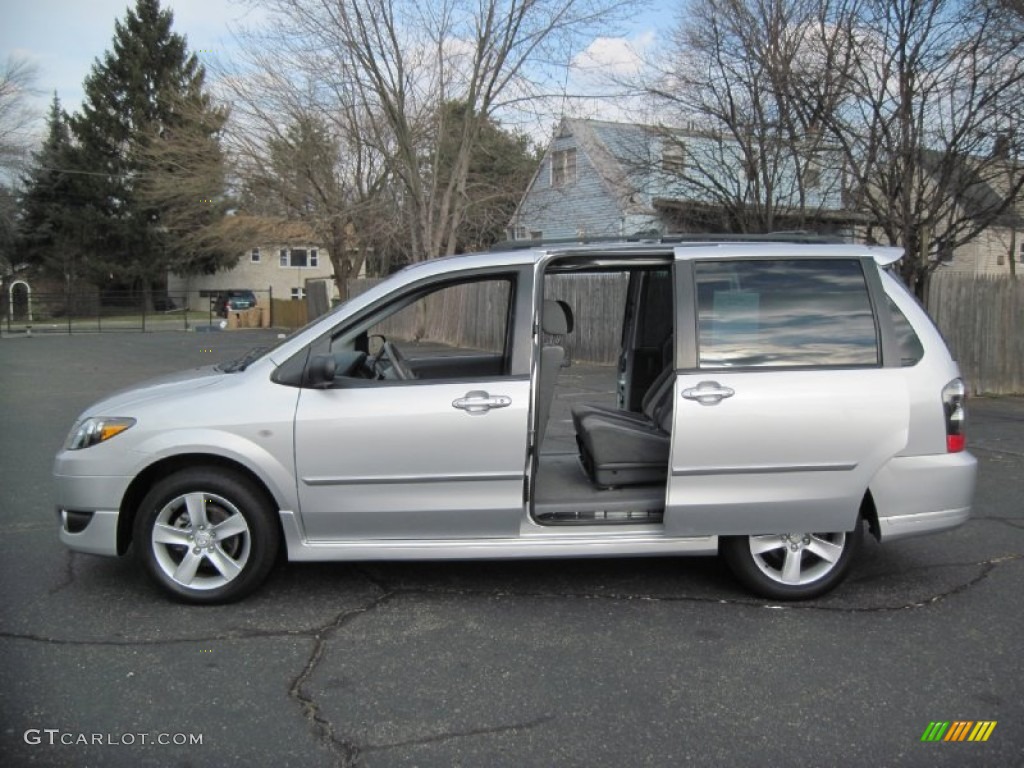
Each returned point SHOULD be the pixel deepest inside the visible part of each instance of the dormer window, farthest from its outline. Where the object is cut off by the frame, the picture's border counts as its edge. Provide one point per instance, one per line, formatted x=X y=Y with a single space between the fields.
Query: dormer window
x=673 y=157
x=563 y=168
x=812 y=174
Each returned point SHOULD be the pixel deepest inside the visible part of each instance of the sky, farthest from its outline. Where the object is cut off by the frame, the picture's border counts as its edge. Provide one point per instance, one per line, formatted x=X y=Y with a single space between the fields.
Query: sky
x=63 y=38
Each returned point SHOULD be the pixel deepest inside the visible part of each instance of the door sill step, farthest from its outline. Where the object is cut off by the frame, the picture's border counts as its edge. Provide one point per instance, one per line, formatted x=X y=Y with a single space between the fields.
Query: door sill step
x=600 y=517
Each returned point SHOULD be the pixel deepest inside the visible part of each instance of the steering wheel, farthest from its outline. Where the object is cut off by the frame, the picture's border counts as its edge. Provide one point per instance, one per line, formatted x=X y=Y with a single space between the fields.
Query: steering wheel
x=389 y=352
x=373 y=361
x=398 y=363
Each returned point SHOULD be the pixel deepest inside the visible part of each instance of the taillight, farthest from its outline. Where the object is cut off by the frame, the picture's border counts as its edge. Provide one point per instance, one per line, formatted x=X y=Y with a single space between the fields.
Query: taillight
x=953 y=396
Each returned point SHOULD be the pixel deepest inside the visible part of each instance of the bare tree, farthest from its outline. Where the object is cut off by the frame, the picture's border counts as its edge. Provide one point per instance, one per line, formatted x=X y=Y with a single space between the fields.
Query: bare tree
x=326 y=179
x=16 y=116
x=741 y=137
x=904 y=111
x=187 y=180
x=305 y=169
x=396 y=62
x=932 y=93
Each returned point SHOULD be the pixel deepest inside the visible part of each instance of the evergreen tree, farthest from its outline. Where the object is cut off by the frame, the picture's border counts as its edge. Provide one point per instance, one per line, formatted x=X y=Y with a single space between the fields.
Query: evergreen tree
x=50 y=229
x=8 y=240
x=147 y=89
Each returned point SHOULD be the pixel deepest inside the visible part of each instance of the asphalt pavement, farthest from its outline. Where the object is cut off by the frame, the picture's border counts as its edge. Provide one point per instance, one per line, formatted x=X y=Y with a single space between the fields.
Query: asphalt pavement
x=630 y=662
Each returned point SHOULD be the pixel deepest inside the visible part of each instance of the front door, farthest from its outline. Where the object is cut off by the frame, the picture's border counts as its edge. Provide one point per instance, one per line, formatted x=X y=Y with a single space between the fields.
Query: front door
x=788 y=412
x=436 y=447
x=413 y=461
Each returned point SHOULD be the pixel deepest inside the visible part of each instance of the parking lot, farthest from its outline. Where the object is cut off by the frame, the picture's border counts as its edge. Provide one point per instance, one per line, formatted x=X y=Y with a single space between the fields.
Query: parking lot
x=644 y=662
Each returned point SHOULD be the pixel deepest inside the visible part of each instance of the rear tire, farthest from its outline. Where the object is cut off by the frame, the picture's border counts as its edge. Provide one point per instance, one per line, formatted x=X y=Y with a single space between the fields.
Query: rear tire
x=792 y=566
x=206 y=536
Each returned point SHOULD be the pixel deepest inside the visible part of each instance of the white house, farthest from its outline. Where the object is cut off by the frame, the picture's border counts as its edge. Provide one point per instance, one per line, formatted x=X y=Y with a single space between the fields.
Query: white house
x=280 y=272
x=1000 y=246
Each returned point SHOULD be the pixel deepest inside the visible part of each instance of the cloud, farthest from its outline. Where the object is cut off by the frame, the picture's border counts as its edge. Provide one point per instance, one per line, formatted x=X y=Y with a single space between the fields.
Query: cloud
x=614 y=55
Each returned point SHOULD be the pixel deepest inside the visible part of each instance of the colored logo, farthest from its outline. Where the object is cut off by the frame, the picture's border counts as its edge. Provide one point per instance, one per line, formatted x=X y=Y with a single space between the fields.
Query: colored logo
x=959 y=730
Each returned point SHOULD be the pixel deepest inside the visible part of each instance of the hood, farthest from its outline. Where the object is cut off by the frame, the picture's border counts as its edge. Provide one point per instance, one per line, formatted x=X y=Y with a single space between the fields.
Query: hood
x=171 y=385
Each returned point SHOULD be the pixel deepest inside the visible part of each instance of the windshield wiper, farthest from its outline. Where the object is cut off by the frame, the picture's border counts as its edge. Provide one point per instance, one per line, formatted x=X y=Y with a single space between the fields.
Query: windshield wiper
x=243 y=362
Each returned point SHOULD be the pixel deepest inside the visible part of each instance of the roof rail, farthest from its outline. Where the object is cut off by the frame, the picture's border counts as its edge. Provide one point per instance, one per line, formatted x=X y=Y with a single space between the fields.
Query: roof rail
x=654 y=237
x=518 y=245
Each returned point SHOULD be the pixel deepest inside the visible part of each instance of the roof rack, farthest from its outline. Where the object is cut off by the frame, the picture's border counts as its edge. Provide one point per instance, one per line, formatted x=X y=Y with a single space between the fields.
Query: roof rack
x=654 y=237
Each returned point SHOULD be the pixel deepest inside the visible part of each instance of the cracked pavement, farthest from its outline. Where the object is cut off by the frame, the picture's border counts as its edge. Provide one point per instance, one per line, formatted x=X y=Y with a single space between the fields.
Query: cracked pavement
x=653 y=661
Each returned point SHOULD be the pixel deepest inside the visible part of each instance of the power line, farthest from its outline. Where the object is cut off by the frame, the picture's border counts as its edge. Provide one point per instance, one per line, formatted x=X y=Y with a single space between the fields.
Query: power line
x=72 y=171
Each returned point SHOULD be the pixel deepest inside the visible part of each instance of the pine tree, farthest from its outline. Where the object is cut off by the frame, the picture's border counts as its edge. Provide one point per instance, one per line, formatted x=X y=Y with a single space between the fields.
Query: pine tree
x=51 y=224
x=145 y=90
x=9 y=255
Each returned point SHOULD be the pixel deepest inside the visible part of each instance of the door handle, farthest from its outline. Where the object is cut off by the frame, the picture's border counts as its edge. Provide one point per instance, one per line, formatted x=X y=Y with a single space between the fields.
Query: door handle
x=478 y=402
x=708 y=393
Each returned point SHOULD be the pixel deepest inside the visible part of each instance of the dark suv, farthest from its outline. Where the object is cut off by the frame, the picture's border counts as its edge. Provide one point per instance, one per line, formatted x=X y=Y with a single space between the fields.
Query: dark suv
x=234 y=301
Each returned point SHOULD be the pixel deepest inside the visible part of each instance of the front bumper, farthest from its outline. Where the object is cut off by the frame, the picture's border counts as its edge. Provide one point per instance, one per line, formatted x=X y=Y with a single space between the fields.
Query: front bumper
x=98 y=537
x=99 y=498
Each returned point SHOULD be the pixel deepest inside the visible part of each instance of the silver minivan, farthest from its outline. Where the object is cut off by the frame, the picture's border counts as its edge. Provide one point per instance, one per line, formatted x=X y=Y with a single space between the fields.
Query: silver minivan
x=772 y=399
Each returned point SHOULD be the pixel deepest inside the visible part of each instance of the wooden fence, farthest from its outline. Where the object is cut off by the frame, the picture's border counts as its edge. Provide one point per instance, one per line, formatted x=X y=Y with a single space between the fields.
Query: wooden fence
x=982 y=318
x=288 y=314
x=598 y=303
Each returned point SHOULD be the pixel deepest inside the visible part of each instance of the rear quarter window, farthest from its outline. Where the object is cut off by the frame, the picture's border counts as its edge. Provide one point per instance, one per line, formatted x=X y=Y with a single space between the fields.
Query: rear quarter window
x=911 y=349
x=785 y=313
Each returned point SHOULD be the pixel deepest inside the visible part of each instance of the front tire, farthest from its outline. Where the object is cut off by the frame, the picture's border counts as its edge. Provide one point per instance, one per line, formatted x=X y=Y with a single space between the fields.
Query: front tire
x=206 y=536
x=792 y=566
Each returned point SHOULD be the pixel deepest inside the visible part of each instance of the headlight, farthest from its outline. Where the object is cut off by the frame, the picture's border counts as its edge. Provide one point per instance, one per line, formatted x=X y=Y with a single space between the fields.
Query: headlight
x=96 y=430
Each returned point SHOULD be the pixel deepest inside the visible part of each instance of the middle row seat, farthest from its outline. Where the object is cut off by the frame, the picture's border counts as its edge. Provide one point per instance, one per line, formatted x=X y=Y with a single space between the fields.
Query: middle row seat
x=646 y=413
x=646 y=403
x=626 y=448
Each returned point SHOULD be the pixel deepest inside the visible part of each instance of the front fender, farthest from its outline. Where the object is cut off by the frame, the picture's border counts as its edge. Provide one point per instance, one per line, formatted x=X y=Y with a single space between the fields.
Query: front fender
x=268 y=454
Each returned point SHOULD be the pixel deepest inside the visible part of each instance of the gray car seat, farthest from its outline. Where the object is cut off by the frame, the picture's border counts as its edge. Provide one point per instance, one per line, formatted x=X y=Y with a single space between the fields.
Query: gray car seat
x=646 y=403
x=556 y=320
x=625 y=448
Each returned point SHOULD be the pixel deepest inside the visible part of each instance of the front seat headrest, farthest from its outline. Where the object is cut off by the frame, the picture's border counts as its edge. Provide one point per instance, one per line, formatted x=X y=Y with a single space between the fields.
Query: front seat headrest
x=556 y=319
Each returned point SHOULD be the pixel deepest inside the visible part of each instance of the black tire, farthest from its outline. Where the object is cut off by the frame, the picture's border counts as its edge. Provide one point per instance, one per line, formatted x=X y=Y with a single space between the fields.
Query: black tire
x=769 y=571
x=192 y=563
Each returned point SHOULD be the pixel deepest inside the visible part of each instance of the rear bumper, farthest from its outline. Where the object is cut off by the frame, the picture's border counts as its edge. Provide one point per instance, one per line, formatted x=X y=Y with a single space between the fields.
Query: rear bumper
x=918 y=495
x=903 y=526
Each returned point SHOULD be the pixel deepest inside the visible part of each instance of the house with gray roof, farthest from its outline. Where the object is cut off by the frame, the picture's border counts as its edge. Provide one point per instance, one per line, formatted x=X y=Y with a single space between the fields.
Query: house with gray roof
x=607 y=179
x=602 y=178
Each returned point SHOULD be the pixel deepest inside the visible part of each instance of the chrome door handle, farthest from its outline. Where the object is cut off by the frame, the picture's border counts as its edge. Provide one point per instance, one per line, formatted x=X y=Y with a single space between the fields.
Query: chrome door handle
x=478 y=402
x=708 y=393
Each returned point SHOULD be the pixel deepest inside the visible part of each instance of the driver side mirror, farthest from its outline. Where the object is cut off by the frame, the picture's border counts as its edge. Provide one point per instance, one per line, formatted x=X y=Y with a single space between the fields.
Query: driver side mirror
x=320 y=372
